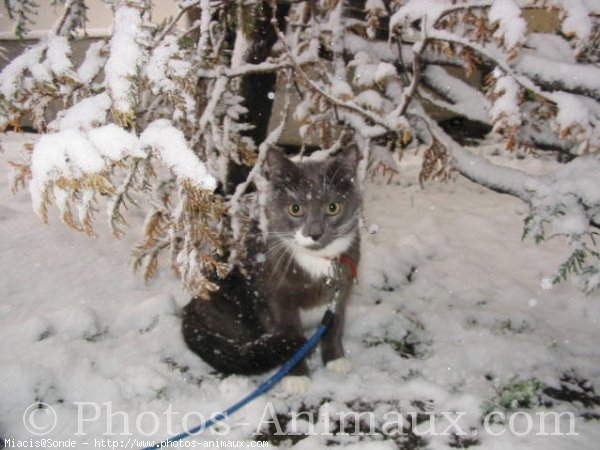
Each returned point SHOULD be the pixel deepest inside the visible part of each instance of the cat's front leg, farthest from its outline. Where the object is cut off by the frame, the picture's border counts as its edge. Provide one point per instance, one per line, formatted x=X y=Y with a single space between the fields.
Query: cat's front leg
x=332 y=349
x=286 y=321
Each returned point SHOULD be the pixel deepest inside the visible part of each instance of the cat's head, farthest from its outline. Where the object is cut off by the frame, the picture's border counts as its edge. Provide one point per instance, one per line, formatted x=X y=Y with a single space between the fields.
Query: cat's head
x=314 y=206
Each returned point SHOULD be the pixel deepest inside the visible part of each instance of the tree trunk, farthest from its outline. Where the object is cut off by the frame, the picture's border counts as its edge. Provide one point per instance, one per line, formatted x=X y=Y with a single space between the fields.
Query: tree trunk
x=255 y=88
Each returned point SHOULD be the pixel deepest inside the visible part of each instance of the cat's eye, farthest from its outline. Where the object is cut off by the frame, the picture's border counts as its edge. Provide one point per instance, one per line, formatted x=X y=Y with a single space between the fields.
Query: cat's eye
x=334 y=208
x=295 y=210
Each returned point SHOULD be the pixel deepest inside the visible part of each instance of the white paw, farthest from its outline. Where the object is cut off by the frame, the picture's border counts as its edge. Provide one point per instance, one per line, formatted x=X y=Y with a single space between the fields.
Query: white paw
x=341 y=365
x=295 y=384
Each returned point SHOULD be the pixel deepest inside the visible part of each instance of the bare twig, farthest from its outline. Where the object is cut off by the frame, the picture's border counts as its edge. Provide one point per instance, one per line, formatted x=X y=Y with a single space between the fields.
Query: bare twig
x=249 y=69
x=418 y=49
x=173 y=22
x=348 y=105
x=60 y=23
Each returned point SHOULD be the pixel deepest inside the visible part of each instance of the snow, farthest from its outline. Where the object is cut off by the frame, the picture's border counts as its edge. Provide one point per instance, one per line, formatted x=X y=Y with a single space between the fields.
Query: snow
x=465 y=99
x=339 y=89
x=12 y=74
x=92 y=63
x=364 y=75
x=511 y=26
x=580 y=175
x=416 y=9
x=125 y=56
x=384 y=71
x=551 y=47
x=577 y=116
x=446 y=268
x=77 y=150
x=572 y=76
x=173 y=149
x=505 y=110
x=166 y=61
x=371 y=5
x=114 y=143
x=370 y=99
x=571 y=110
x=71 y=153
x=58 y=56
x=576 y=21
x=205 y=18
x=89 y=112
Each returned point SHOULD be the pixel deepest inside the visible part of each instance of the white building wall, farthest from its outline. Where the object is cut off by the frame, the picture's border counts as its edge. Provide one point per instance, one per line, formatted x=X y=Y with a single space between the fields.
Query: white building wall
x=99 y=18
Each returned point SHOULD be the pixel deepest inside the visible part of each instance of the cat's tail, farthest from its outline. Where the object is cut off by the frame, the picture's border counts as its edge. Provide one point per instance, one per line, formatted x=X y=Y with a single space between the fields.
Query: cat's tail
x=215 y=334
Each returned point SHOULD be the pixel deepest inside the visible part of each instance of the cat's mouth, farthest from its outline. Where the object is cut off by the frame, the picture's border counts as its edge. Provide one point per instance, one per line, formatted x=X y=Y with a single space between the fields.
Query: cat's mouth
x=306 y=242
x=313 y=246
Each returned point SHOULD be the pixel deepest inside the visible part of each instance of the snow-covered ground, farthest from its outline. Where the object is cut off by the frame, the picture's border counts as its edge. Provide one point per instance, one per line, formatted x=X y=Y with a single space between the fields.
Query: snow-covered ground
x=451 y=315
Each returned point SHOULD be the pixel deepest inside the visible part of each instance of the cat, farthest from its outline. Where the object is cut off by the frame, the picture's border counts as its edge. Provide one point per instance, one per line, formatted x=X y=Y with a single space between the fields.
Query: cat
x=253 y=322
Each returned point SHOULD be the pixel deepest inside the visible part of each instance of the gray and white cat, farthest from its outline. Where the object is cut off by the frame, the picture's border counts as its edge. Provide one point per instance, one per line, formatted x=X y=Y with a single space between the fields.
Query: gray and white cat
x=253 y=323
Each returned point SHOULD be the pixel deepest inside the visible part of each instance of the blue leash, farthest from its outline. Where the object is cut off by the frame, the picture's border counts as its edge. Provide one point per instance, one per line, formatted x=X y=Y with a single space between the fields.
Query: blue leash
x=265 y=386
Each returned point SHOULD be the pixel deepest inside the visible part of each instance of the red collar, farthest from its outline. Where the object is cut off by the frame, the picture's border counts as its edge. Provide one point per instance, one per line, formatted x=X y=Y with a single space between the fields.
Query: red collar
x=345 y=259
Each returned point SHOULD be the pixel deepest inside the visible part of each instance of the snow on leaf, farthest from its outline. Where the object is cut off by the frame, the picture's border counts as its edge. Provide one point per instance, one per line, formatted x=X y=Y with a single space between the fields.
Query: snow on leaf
x=115 y=143
x=512 y=28
x=341 y=90
x=88 y=113
x=571 y=111
x=465 y=98
x=384 y=71
x=374 y=4
x=157 y=67
x=417 y=9
x=576 y=18
x=67 y=153
x=58 y=57
x=364 y=75
x=73 y=154
x=370 y=99
x=92 y=63
x=173 y=149
x=12 y=75
x=505 y=112
x=575 y=119
x=551 y=47
x=125 y=57
x=582 y=77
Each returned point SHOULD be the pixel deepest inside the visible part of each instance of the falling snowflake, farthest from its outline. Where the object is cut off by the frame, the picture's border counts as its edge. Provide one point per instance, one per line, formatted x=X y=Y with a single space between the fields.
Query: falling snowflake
x=547 y=283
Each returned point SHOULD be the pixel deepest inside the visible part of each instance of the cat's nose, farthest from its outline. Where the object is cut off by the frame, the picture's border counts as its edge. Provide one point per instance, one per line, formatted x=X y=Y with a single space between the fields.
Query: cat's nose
x=315 y=236
x=314 y=230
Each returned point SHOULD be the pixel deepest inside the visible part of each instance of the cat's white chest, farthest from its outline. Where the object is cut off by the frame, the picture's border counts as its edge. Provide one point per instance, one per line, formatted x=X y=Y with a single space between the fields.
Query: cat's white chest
x=315 y=266
x=317 y=263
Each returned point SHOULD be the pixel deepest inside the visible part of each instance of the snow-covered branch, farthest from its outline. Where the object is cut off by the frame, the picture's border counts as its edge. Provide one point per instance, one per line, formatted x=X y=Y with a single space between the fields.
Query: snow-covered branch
x=126 y=57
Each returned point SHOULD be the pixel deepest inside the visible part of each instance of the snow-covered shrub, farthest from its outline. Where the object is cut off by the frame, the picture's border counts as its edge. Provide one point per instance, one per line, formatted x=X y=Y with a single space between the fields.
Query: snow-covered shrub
x=174 y=95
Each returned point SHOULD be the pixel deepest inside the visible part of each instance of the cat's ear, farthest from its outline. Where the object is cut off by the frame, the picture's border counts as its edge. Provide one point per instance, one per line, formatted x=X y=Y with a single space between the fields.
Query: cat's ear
x=352 y=156
x=348 y=159
x=278 y=164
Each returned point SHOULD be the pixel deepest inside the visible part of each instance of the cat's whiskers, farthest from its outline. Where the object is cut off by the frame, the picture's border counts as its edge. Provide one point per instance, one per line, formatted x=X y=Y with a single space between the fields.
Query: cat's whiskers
x=291 y=257
x=273 y=248
x=279 y=242
x=284 y=252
